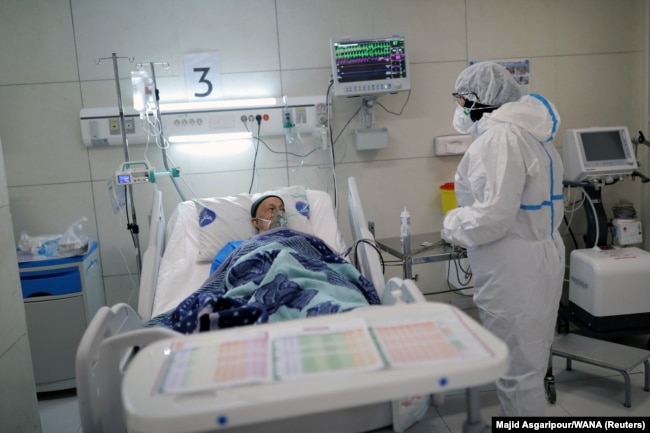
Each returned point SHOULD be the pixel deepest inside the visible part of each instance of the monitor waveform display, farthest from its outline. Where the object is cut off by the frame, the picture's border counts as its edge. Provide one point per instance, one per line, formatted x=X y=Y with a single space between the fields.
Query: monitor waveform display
x=370 y=60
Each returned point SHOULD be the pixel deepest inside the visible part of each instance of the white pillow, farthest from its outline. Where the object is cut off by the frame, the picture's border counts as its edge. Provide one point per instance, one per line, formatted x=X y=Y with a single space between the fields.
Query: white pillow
x=222 y=220
x=225 y=219
x=296 y=206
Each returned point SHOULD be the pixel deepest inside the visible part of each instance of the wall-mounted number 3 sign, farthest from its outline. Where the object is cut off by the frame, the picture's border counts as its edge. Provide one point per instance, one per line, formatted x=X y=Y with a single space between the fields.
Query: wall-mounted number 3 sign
x=202 y=76
x=204 y=80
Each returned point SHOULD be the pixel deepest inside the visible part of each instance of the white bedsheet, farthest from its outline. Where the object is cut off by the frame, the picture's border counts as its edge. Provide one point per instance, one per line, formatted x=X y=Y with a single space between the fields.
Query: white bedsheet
x=180 y=274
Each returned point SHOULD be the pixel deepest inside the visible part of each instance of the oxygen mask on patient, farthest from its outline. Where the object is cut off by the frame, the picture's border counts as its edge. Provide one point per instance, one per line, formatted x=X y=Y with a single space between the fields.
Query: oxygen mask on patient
x=277 y=219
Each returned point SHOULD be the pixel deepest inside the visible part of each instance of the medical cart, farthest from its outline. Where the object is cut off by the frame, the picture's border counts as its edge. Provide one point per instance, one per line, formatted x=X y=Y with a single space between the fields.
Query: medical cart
x=427 y=248
x=61 y=295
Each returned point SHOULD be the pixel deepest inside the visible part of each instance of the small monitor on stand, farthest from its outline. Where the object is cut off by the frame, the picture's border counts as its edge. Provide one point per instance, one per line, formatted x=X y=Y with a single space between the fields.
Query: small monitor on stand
x=594 y=157
x=598 y=153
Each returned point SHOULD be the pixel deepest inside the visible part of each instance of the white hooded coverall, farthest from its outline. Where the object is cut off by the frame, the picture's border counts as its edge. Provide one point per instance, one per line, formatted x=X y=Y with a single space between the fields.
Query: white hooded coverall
x=509 y=191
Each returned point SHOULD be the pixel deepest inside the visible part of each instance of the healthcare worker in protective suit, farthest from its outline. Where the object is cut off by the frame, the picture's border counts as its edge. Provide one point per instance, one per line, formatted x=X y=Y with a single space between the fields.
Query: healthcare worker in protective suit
x=509 y=191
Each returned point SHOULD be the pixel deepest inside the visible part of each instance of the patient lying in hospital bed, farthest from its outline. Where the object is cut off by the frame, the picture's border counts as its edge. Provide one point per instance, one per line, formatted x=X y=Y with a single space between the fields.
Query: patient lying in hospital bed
x=281 y=274
x=178 y=259
x=278 y=274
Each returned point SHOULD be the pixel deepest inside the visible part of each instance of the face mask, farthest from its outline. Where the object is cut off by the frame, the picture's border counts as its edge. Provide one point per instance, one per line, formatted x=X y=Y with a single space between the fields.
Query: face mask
x=277 y=220
x=462 y=121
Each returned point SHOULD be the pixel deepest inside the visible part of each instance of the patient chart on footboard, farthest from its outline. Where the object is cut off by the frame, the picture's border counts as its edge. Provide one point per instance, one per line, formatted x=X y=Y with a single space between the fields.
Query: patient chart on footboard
x=295 y=352
x=320 y=366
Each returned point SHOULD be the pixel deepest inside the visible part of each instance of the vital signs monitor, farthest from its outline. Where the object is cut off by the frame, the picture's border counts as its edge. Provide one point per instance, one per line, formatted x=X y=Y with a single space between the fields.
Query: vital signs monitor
x=369 y=65
x=598 y=152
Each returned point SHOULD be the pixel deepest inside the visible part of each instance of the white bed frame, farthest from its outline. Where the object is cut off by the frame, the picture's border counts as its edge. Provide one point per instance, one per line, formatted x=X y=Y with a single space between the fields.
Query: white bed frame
x=115 y=335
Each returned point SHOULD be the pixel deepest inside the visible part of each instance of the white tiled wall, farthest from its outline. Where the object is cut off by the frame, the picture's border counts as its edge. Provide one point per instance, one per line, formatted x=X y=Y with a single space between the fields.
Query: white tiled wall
x=18 y=406
x=587 y=56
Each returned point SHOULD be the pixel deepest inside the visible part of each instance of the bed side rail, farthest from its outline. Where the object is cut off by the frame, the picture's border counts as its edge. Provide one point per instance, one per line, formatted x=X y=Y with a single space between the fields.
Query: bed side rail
x=105 y=323
x=114 y=355
x=93 y=369
x=152 y=257
x=368 y=256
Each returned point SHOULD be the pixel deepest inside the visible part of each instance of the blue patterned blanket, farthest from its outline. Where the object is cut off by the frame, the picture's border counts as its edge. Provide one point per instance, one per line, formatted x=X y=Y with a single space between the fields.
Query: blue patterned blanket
x=278 y=275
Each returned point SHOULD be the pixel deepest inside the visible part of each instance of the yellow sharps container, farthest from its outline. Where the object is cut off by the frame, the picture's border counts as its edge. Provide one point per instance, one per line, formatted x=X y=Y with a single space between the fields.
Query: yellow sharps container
x=448 y=197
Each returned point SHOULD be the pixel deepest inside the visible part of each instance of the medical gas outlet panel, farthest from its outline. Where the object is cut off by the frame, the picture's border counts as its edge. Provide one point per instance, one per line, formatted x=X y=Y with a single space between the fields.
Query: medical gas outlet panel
x=102 y=126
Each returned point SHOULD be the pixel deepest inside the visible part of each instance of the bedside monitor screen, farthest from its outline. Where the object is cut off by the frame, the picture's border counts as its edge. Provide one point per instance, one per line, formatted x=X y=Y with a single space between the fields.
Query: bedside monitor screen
x=369 y=65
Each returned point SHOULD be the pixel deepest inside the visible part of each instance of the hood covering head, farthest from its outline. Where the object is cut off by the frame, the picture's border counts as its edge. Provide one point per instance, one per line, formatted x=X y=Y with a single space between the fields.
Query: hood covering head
x=490 y=82
x=533 y=112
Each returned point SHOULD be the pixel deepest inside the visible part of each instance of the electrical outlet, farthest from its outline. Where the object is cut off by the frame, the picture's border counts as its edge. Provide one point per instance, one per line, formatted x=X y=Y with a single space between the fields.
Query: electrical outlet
x=129 y=125
x=301 y=115
x=114 y=125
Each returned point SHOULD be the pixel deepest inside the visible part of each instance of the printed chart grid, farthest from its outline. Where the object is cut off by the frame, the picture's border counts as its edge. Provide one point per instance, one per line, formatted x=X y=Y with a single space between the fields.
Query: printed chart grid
x=295 y=352
x=414 y=343
x=225 y=363
x=342 y=351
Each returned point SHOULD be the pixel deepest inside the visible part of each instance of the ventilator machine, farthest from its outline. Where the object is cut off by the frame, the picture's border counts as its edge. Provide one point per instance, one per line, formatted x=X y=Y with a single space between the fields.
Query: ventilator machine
x=608 y=289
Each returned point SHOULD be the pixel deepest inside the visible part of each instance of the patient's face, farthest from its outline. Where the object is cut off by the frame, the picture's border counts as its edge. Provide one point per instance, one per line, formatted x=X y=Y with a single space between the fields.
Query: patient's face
x=266 y=211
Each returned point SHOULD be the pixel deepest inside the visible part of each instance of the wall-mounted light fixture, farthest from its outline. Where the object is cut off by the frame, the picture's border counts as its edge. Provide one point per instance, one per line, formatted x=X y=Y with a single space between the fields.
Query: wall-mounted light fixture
x=203 y=138
x=217 y=105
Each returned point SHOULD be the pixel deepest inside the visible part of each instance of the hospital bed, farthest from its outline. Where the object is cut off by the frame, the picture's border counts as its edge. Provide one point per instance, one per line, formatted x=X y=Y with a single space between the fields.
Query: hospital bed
x=115 y=351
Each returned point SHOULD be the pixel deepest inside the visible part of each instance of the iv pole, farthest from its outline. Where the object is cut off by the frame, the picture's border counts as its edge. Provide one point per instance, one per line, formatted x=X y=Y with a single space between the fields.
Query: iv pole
x=133 y=226
x=160 y=126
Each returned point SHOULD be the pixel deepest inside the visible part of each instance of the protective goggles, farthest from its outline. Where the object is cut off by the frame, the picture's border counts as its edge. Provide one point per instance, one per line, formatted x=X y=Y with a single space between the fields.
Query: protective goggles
x=471 y=98
x=467 y=96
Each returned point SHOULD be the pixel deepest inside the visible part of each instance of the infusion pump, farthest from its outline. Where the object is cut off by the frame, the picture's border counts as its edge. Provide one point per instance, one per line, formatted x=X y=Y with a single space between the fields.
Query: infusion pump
x=140 y=172
x=128 y=178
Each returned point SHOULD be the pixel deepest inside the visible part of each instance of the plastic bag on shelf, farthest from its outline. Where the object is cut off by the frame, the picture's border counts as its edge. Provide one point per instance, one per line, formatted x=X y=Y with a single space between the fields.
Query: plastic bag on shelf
x=72 y=242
